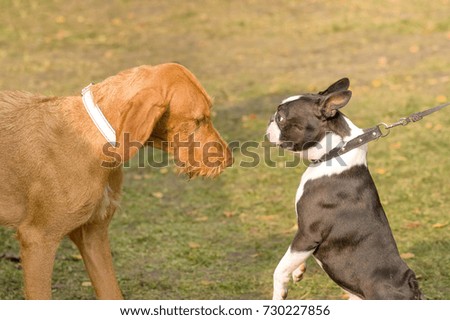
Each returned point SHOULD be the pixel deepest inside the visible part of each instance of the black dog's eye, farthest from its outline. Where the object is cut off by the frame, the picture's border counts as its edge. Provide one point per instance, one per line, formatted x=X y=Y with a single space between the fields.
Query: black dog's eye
x=280 y=118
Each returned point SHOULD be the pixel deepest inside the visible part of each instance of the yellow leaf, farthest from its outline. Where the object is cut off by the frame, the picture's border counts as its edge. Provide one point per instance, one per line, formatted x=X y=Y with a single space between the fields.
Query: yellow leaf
x=396 y=145
x=137 y=177
x=116 y=21
x=108 y=54
x=439 y=225
x=441 y=99
x=228 y=214
x=414 y=49
x=376 y=83
x=201 y=219
x=413 y=224
x=380 y=170
x=158 y=195
x=86 y=284
x=77 y=257
x=164 y=171
x=60 y=19
x=267 y=218
x=407 y=255
x=194 y=245
x=382 y=61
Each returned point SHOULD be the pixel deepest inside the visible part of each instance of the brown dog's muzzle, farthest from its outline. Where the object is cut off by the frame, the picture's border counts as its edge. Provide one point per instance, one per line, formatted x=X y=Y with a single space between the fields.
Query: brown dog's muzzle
x=202 y=152
x=207 y=154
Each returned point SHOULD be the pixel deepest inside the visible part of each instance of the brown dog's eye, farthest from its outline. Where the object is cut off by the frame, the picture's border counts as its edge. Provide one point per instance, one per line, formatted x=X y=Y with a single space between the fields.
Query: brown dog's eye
x=199 y=121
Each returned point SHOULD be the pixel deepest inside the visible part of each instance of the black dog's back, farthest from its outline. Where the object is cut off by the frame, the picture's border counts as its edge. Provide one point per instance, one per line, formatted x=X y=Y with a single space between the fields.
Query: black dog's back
x=342 y=215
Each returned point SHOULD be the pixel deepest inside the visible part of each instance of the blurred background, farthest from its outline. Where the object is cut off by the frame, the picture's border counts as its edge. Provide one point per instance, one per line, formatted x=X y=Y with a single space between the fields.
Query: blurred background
x=222 y=238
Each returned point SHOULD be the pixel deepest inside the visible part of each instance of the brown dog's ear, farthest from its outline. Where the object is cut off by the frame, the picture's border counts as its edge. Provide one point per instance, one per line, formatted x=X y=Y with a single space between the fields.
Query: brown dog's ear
x=333 y=102
x=339 y=85
x=138 y=120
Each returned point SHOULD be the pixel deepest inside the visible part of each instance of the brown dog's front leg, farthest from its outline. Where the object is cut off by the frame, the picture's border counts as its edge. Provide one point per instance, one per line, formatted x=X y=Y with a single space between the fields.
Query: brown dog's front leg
x=93 y=243
x=37 y=250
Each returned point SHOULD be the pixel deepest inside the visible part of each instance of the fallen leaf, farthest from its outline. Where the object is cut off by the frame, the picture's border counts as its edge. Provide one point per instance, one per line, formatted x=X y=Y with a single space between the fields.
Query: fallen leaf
x=228 y=214
x=137 y=177
x=86 y=284
x=60 y=19
x=164 y=171
x=380 y=170
x=438 y=127
x=395 y=145
x=158 y=195
x=202 y=219
x=62 y=34
x=194 y=245
x=108 y=54
x=428 y=125
x=376 y=83
x=414 y=49
x=116 y=22
x=413 y=224
x=267 y=218
x=441 y=99
x=382 y=61
x=407 y=255
x=345 y=296
x=77 y=257
x=439 y=225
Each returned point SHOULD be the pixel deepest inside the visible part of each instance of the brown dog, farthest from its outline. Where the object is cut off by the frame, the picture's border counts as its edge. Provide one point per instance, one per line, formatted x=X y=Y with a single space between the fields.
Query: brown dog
x=61 y=177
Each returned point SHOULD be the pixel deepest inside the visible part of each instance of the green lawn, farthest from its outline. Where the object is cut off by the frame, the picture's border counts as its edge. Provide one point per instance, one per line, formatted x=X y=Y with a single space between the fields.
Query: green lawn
x=222 y=238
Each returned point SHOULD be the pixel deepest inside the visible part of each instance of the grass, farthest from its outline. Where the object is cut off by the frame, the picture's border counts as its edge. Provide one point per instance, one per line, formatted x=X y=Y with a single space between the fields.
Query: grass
x=222 y=238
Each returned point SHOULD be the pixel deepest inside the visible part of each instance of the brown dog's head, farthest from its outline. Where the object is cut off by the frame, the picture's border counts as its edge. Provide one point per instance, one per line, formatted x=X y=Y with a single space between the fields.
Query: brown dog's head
x=171 y=110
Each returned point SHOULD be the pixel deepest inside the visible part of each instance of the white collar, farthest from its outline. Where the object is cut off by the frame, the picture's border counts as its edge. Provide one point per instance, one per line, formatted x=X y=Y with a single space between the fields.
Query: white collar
x=97 y=116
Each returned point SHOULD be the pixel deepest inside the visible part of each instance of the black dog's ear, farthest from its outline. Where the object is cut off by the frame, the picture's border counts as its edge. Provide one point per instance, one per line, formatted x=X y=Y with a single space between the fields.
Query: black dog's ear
x=339 y=85
x=334 y=101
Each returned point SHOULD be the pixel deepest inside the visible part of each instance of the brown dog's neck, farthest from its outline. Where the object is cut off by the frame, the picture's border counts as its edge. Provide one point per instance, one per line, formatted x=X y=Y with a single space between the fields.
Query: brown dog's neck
x=132 y=102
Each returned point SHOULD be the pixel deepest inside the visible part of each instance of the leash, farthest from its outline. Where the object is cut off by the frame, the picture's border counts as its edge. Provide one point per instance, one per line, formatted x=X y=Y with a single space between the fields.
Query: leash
x=374 y=133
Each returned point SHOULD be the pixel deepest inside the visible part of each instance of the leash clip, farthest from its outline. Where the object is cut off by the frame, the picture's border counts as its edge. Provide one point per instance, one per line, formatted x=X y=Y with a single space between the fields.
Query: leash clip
x=385 y=127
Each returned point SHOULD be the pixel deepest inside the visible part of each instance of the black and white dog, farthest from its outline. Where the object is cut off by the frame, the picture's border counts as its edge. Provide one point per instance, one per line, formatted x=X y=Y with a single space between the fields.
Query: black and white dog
x=341 y=221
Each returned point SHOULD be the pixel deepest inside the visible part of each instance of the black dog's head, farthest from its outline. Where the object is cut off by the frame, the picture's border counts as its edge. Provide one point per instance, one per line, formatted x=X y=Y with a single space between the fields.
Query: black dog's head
x=300 y=122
